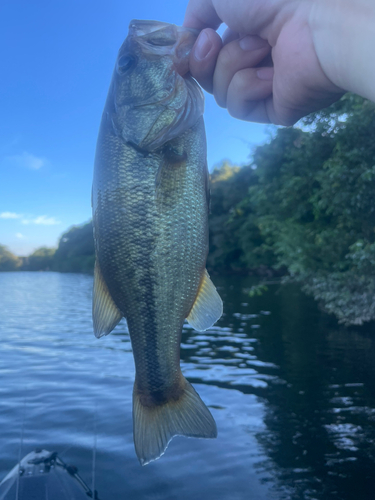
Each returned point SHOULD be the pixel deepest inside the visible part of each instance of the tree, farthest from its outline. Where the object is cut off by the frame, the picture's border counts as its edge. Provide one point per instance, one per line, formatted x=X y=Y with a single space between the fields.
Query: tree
x=315 y=209
x=235 y=239
x=75 y=252
x=8 y=261
x=40 y=260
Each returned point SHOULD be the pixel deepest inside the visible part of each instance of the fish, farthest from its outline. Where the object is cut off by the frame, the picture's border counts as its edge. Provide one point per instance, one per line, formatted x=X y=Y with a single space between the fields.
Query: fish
x=150 y=201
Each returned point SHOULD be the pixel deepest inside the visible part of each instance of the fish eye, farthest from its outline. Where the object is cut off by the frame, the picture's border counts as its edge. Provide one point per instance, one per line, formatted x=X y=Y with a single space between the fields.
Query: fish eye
x=125 y=63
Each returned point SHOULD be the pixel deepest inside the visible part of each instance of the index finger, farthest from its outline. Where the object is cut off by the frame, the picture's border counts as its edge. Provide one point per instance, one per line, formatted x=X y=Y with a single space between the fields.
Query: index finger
x=201 y=14
x=251 y=17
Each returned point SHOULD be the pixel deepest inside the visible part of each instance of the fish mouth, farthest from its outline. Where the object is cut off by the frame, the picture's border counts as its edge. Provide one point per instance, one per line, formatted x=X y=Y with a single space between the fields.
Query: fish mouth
x=141 y=27
x=159 y=38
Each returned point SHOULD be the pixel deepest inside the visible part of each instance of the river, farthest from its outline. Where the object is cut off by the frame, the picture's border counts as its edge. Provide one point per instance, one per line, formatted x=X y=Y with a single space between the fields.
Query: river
x=292 y=392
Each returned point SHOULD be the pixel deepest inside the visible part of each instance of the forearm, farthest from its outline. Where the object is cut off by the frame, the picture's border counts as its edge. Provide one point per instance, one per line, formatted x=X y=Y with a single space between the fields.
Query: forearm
x=344 y=38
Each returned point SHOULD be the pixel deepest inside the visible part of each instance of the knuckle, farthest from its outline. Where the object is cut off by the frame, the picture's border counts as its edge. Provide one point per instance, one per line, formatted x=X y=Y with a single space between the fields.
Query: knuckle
x=287 y=116
x=236 y=106
x=239 y=82
x=228 y=55
x=237 y=112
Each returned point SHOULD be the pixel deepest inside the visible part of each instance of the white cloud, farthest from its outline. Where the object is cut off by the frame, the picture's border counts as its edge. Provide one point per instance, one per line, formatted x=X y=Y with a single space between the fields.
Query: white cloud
x=42 y=220
x=20 y=236
x=10 y=215
x=46 y=221
x=27 y=160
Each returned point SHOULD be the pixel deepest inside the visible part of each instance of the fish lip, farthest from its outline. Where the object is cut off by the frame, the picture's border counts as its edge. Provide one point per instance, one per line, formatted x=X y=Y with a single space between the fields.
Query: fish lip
x=144 y=26
x=147 y=26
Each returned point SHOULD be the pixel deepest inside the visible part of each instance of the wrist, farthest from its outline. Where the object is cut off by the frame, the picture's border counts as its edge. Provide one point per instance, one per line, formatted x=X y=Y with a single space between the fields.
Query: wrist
x=343 y=33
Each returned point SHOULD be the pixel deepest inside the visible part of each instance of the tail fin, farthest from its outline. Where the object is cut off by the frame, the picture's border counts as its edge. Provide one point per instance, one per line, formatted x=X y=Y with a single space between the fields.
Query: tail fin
x=155 y=426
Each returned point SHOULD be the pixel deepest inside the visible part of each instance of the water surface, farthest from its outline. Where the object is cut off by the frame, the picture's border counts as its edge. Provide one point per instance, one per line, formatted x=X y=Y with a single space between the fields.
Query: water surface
x=292 y=393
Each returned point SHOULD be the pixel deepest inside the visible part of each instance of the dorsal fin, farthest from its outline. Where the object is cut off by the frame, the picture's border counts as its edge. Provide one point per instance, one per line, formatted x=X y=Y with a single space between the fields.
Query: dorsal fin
x=208 y=306
x=105 y=313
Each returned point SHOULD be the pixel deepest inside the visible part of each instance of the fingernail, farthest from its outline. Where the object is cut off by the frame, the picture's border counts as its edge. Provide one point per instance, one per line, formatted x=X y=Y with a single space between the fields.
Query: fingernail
x=265 y=73
x=250 y=42
x=202 y=47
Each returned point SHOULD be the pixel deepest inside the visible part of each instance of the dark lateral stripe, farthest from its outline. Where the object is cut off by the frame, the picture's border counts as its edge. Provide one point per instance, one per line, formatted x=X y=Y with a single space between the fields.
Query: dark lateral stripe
x=150 y=363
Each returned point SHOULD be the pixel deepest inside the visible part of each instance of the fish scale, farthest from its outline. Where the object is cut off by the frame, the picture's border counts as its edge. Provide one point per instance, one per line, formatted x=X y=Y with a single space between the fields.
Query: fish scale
x=150 y=216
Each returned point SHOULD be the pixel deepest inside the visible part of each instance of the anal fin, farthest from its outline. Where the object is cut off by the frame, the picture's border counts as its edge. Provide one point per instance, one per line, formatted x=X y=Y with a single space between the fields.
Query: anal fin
x=105 y=313
x=208 y=306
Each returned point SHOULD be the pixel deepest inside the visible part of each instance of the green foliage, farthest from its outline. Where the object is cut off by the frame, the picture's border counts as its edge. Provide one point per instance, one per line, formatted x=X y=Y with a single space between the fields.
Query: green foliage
x=8 y=261
x=305 y=205
x=314 y=203
x=40 y=260
x=235 y=239
x=258 y=290
x=75 y=252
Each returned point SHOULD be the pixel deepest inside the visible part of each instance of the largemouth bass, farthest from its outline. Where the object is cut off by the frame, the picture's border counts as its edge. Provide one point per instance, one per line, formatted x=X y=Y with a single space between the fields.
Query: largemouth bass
x=150 y=216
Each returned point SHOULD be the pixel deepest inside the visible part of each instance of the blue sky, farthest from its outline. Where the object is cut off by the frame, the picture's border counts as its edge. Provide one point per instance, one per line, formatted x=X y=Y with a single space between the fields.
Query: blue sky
x=56 y=62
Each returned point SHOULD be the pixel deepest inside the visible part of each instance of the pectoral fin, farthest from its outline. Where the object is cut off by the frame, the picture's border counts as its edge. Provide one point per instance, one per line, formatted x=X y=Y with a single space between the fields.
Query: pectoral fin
x=208 y=306
x=105 y=313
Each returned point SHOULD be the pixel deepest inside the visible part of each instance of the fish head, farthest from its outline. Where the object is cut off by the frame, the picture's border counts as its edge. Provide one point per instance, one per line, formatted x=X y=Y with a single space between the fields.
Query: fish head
x=152 y=97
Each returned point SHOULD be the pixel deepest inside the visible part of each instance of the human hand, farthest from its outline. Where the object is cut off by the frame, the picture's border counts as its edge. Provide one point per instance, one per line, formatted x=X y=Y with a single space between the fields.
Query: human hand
x=266 y=69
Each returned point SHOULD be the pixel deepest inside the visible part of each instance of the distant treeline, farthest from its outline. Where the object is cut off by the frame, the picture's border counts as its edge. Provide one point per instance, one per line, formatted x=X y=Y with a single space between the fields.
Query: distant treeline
x=74 y=254
x=303 y=209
